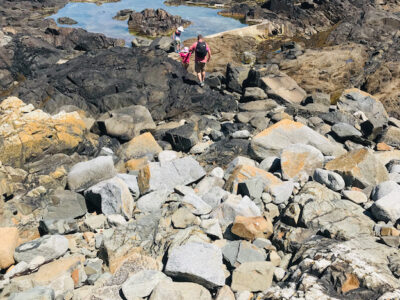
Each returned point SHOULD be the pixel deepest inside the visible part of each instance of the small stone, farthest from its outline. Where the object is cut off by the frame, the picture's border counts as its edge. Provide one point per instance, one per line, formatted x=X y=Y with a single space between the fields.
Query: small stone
x=252 y=227
x=48 y=246
x=141 y=284
x=383 y=147
x=225 y=293
x=261 y=279
x=167 y=155
x=179 y=290
x=244 y=295
x=355 y=196
x=292 y=214
x=217 y=172
x=116 y=220
x=274 y=258
x=96 y=222
x=196 y=205
x=197 y=262
x=241 y=134
x=249 y=252
x=200 y=147
x=345 y=131
x=329 y=178
x=279 y=274
x=182 y=218
x=387 y=208
x=212 y=228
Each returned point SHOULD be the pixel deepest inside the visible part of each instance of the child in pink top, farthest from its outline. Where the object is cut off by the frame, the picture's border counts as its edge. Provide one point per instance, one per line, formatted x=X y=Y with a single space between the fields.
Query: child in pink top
x=185 y=55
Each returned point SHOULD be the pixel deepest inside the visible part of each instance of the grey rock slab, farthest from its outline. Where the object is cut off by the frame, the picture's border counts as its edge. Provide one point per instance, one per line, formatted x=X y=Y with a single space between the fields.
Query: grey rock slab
x=207 y=183
x=248 y=252
x=153 y=201
x=197 y=262
x=252 y=187
x=239 y=160
x=86 y=174
x=387 y=208
x=36 y=293
x=383 y=189
x=196 y=205
x=336 y=218
x=182 y=218
x=330 y=179
x=214 y=196
x=180 y=290
x=281 y=192
x=260 y=279
x=157 y=176
x=241 y=134
x=344 y=130
x=141 y=284
x=112 y=196
x=212 y=228
x=281 y=86
x=271 y=141
x=49 y=246
x=131 y=182
x=66 y=205
x=259 y=105
x=126 y=123
x=235 y=206
x=182 y=138
x=254 y=93
x=95 y=222
x=230 y=252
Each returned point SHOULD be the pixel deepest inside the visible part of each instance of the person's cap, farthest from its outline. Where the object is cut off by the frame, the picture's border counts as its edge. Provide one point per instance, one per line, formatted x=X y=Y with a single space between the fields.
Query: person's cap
x=180 y=28
x=186 y=49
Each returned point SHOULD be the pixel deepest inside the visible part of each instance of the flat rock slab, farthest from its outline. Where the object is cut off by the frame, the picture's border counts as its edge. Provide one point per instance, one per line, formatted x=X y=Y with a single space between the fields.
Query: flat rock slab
x=166 y=176
x=271 y=141
x=197 y=262
x=49 y=247
x=283 y=87
x=387 y=208
x=85 y=174
x=66 y=205
x=36 y=293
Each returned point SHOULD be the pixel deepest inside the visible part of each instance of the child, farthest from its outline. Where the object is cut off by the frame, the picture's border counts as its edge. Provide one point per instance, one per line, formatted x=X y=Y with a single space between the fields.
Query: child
x=177 y=38
x=185 y=55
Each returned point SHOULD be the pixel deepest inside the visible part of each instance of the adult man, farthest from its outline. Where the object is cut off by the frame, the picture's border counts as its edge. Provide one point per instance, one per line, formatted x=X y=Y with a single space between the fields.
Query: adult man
x=202 y=56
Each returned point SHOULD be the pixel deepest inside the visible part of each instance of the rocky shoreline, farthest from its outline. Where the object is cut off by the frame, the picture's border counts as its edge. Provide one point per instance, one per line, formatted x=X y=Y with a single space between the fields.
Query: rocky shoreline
x=121 y=178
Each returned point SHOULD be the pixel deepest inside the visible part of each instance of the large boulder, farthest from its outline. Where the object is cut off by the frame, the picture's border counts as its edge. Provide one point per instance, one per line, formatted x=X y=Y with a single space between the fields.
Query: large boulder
x=387 y=208
x=66 y=205
x=142 y=145
x=235 y=77
x=359 y=168
x=166 y=176
x=354 y=100
x=85 y=174
x=127 y=122
x=110 y=197
x=37 y=133
x=271 y=141
x=183 y=137
x=283 y=88
x=197 y=262
x=298 y=161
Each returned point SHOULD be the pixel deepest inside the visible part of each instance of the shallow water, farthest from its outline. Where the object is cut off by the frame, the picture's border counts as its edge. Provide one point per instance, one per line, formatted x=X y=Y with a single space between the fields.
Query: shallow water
x=99 y=18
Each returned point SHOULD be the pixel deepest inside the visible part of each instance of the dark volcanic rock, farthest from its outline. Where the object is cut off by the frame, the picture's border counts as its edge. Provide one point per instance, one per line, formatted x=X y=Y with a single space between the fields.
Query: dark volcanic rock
x=103 y=80
x=123 y=14
x=66 y=21
x=154 y=22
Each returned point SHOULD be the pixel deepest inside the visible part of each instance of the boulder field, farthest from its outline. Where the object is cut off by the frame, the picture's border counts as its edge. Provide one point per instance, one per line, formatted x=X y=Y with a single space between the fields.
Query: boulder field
x=121 y=178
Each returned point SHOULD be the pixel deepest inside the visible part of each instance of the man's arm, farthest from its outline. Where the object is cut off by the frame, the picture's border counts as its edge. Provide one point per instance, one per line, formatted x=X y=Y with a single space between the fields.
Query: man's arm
x=208 y=54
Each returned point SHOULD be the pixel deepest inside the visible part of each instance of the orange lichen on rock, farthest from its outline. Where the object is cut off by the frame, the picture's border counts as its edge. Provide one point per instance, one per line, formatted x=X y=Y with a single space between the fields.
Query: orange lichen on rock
x=30 y=132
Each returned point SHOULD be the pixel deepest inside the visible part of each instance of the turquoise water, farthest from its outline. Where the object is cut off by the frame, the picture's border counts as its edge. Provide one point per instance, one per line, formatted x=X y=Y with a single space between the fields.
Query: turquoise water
x=99 y=18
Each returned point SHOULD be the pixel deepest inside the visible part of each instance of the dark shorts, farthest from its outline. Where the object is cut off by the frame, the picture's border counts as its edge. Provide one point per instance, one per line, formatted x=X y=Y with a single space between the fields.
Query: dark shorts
x=199 y=67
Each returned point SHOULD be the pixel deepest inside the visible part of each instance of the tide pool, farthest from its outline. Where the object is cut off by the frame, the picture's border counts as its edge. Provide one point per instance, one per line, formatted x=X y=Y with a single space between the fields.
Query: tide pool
x=99 y=18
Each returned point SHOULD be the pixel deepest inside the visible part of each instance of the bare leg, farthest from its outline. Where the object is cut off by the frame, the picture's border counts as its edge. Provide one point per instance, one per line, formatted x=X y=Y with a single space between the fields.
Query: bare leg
x=199 y=77
x=203 y=76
